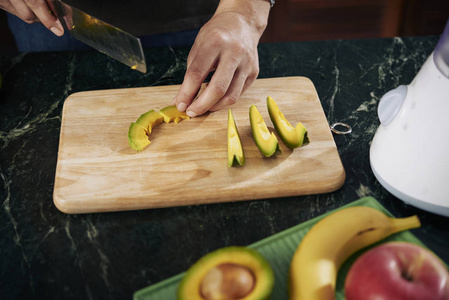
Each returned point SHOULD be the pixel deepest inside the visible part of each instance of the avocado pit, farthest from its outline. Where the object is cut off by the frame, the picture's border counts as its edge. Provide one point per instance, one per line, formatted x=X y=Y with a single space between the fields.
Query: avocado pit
x=227 y=281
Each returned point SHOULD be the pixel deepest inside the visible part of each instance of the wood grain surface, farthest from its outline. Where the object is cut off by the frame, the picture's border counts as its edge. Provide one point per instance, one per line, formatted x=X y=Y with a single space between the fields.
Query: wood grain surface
x=186 y=163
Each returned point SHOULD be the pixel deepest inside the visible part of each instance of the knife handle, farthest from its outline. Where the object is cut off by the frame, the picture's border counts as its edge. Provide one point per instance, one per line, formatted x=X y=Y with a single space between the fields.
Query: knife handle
x=57 y=10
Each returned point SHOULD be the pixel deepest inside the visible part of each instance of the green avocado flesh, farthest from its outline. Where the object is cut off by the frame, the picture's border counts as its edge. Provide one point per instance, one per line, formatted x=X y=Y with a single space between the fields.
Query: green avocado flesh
x=235 y=149
x=228 y=273
x=171 y=114
x=265 y=140
x=139 y=131
x=149 y=120
x=293 y=137
x=137 y=137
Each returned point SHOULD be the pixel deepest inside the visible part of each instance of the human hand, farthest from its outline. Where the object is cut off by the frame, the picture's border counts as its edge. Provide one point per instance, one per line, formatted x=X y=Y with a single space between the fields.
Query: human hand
x=32 y=11
x=227 y=44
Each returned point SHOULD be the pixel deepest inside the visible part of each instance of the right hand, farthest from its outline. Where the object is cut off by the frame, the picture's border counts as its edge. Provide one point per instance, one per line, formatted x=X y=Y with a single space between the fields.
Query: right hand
x=32 y=11
x=226 y=44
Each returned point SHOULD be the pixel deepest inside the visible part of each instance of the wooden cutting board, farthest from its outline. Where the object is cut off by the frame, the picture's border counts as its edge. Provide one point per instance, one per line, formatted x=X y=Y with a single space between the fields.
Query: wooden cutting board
x=186 y=163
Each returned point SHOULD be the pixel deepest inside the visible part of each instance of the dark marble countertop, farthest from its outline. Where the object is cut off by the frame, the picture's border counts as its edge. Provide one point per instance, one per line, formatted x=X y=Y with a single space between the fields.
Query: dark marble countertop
x=47 y=254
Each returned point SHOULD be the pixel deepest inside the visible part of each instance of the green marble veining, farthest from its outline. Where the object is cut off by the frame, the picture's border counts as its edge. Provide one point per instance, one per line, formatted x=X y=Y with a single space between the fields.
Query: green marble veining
x=46 y=254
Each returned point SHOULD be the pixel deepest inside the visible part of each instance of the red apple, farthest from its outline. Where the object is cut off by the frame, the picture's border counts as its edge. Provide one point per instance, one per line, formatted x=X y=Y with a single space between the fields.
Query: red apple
x=397 y=270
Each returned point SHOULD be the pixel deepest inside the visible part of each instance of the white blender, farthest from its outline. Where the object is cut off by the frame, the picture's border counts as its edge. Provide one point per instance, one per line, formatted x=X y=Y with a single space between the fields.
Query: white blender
x=409 y=154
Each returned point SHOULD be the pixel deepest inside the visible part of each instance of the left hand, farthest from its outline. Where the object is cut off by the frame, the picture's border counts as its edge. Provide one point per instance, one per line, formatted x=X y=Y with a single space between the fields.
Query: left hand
x=32 y=11
x=227 y=44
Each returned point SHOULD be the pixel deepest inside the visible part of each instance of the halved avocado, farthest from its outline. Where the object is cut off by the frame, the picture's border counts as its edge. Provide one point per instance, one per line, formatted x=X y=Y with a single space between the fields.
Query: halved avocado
x=293 y=137
x=137 y=137
x=172 y=114
x=149 y=120
x=235 y=149
x=265 y=140
x=228 y=273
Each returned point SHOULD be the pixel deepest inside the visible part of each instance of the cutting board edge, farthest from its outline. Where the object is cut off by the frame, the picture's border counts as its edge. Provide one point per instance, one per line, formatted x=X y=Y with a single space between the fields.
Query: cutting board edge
x=74 y=207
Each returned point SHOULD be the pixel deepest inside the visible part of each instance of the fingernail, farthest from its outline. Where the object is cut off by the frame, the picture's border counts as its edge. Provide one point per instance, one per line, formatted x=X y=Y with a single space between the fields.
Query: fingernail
x=191 y=114
x=57 y=31
x=182 y=106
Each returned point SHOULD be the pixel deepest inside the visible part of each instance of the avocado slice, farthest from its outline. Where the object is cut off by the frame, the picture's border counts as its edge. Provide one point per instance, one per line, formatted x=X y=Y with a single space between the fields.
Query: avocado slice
x=293 y=137
x=138 y=132
x=235 y=149
x=265 y=140
x=137 y=137
x=234 y=272
x=172 y=114
x=149 y=120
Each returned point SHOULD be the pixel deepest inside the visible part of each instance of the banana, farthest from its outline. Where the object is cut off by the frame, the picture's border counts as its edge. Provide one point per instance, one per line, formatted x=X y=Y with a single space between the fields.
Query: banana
x=315 y=264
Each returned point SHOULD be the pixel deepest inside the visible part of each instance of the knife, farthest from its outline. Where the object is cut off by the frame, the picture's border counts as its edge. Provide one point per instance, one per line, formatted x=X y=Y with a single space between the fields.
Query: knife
x=100 y=35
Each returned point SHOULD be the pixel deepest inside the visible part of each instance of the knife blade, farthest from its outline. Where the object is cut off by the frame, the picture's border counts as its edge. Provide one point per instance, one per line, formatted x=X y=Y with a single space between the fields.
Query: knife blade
x=100 y=35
